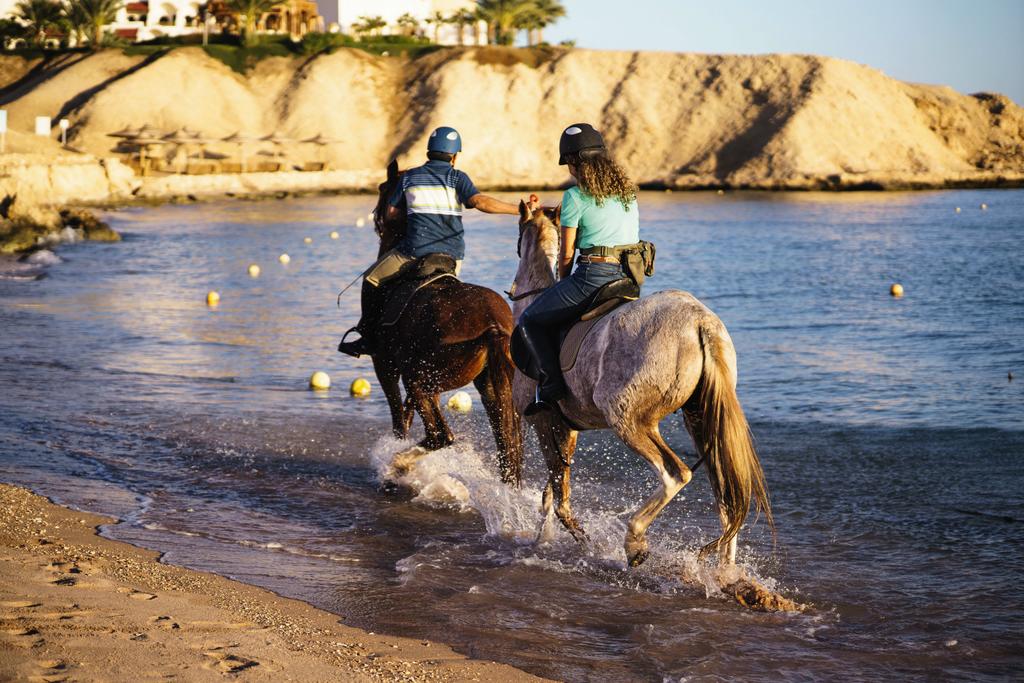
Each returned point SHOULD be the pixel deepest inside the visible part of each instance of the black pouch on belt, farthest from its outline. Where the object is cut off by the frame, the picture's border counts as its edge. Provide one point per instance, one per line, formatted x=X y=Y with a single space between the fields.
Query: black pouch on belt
x=638 y=261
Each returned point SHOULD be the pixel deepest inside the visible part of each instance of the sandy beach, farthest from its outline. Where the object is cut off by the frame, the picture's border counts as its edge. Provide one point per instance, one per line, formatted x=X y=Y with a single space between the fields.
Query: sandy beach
x=77 y=607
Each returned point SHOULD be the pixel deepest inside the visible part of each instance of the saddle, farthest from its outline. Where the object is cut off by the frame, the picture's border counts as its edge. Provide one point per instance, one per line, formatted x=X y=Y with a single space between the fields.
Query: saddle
x=413 y=277
x=572 y=334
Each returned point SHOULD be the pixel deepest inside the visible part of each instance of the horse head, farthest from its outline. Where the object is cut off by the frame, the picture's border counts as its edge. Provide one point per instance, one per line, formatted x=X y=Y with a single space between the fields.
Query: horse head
x=389 y=231
x=537 y=248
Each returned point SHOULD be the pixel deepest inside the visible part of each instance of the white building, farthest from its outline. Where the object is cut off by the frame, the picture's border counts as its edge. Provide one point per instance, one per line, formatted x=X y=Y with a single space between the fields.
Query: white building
x=147 y=20
x=347 y=13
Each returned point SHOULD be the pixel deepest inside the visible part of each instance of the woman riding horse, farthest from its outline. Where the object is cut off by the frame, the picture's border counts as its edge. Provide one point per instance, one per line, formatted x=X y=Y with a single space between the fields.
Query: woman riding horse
x=600 y=217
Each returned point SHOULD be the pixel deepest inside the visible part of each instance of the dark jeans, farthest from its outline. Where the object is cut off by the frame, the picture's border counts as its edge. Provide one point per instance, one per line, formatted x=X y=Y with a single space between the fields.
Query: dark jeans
x=566 y=299
x=563 y=302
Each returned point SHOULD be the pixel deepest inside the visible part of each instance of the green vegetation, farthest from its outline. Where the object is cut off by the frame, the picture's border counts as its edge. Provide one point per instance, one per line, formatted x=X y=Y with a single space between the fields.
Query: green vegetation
x=249 y=12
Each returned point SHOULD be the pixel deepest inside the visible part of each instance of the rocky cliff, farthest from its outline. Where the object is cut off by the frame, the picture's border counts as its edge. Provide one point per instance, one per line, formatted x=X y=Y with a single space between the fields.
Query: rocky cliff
x=674 y=120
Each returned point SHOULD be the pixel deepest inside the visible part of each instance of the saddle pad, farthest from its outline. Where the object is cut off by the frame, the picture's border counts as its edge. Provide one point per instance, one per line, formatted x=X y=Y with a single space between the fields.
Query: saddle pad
x=573 y=341
x=403 y=294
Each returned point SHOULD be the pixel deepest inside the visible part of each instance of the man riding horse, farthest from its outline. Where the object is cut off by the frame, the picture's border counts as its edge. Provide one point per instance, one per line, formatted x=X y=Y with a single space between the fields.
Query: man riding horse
x=434 y=195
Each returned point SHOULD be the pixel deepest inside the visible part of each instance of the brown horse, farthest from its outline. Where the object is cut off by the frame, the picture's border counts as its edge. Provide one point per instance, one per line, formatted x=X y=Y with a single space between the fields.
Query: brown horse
x=451 y=333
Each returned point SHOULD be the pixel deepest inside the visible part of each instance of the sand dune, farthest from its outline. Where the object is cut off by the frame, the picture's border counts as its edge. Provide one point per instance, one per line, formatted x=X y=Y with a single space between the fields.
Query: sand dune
x=678 y=120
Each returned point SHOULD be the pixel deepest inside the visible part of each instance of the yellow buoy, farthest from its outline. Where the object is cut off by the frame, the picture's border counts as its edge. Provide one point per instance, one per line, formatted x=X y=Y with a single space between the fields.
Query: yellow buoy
x=984 y=207
x=307 y=240
x=460 y=402
x=284 y=258
x=720 y=192
x=212 y=298
x=360 y=222
x=254 y=270
x=957 y=209
x=334 y=234
x=896 y=290
x=320 y=380
x=360 y=388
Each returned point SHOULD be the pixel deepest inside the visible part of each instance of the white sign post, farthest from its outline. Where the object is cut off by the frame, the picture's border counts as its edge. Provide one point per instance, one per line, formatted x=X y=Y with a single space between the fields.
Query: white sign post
x=43 y=126
x=64 y=124
x=3 y=130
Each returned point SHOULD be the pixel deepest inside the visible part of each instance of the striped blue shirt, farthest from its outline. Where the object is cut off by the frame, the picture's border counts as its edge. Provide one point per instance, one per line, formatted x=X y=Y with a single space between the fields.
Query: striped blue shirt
x=434 y=195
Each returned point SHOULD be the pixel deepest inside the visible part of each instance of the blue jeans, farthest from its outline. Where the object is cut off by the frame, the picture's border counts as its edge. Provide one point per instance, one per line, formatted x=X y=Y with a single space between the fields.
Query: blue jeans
x=567 y=298
x=562 y=303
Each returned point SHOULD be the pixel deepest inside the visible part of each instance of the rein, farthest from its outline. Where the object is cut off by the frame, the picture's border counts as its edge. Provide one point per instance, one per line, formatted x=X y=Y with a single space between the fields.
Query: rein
x=518 y=297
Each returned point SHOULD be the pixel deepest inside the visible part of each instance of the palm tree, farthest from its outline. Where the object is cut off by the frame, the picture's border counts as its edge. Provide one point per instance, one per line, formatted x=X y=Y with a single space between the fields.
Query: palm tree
x=93 y=14
x=503 y=17
x=437 y=19
x=543 y=14
x=38 y=16
x=408 y=24
x=249 y=13
x=462 y=19
x=369 y=25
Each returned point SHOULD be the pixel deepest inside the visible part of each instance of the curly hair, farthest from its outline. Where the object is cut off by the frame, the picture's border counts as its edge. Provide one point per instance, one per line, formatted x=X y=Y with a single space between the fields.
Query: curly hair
x=601 y=178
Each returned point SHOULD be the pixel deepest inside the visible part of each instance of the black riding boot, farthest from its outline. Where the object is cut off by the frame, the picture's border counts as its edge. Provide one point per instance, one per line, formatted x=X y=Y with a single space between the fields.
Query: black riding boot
x=372 y=302
x=551 y=387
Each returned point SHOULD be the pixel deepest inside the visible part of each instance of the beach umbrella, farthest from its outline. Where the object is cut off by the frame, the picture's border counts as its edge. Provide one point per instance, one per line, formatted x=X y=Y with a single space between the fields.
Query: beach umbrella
x=321 y=141
x=241 y=139
x=126 y=132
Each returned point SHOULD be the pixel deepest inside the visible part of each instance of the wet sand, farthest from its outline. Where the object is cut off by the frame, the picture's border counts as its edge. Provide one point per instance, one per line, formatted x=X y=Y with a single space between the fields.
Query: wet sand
x=78 y=607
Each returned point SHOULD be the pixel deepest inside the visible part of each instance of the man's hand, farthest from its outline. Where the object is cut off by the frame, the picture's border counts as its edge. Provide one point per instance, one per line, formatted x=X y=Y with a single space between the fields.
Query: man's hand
x=491 y=205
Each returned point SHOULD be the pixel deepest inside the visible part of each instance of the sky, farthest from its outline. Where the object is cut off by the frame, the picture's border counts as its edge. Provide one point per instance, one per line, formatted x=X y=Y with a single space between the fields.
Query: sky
x=971 y=45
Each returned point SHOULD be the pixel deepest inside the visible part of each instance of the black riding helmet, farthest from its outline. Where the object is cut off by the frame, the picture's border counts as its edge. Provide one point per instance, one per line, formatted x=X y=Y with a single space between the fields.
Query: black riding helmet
x=580 y=140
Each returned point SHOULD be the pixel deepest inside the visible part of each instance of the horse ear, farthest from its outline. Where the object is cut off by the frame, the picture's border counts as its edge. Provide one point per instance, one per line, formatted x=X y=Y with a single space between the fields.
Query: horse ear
x=524 y=212
x=393 y=169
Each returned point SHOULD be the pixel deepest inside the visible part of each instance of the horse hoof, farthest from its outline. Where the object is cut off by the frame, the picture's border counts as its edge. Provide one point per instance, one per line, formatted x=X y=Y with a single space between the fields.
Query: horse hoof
x=639 y=558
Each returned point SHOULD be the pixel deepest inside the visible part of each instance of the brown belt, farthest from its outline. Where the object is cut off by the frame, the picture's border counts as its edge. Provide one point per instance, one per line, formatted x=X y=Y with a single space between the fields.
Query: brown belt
x=591 y=258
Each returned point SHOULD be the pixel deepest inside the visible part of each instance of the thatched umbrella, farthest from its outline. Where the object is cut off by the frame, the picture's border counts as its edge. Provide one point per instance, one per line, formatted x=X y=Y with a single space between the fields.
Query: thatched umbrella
x=321 y=141
x=145 y=137
x=241 y=139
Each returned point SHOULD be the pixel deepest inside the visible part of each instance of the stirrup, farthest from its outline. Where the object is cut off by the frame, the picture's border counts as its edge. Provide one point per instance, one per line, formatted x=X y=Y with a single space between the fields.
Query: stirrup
x=539 y=405
x=353 y=348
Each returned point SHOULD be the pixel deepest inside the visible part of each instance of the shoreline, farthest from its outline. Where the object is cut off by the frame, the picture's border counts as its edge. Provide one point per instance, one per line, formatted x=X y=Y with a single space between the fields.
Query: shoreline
x=76 y=604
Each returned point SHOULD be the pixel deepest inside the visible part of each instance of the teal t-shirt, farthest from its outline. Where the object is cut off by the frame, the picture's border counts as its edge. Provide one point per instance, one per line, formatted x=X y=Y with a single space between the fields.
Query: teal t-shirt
x=600 y=226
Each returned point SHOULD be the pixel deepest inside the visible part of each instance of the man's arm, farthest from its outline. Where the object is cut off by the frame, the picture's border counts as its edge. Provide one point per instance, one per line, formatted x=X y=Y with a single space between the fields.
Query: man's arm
x=491 y=205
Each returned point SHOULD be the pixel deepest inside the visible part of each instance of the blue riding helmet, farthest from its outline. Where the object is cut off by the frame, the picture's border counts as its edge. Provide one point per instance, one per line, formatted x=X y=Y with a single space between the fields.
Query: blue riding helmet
x=445 y=139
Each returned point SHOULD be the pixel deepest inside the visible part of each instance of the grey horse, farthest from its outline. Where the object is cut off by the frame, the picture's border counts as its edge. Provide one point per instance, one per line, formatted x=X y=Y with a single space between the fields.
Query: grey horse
x=640 y=363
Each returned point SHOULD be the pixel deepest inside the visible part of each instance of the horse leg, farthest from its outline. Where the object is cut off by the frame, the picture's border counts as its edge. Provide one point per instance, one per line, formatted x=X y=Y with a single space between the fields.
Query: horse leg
x=647 y=441
x=727 y=551
x=387 y=375
x=558 y=443
x=438 y=434
x=495 y=387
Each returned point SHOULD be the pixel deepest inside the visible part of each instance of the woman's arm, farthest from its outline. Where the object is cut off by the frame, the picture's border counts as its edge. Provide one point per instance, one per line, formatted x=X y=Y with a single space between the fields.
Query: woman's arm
x=566 y=252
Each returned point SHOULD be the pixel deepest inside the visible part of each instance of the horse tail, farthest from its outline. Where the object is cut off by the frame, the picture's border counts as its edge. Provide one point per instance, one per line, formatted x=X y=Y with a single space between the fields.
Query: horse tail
x=723 y=436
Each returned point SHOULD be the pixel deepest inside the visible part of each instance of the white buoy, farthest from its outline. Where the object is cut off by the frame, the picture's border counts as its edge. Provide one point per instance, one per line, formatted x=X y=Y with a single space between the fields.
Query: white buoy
x=360 y=222
x=284 y=258
x=460 y=402
x=307 y=240
x=957 y=209
x=320 y=380
x=334 y=234
x=984 y=207
x=254 y=270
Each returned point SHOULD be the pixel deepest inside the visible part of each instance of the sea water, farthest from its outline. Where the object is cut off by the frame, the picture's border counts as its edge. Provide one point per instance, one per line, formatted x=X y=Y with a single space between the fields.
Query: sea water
x=890 y=431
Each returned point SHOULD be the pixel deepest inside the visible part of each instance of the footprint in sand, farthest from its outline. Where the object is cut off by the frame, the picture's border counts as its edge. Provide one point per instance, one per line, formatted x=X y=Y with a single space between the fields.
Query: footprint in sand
x=227 y=663
x=136 y=595
x=19 y=604
x=164 y=622
x=52 y=671
x=23 y=637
